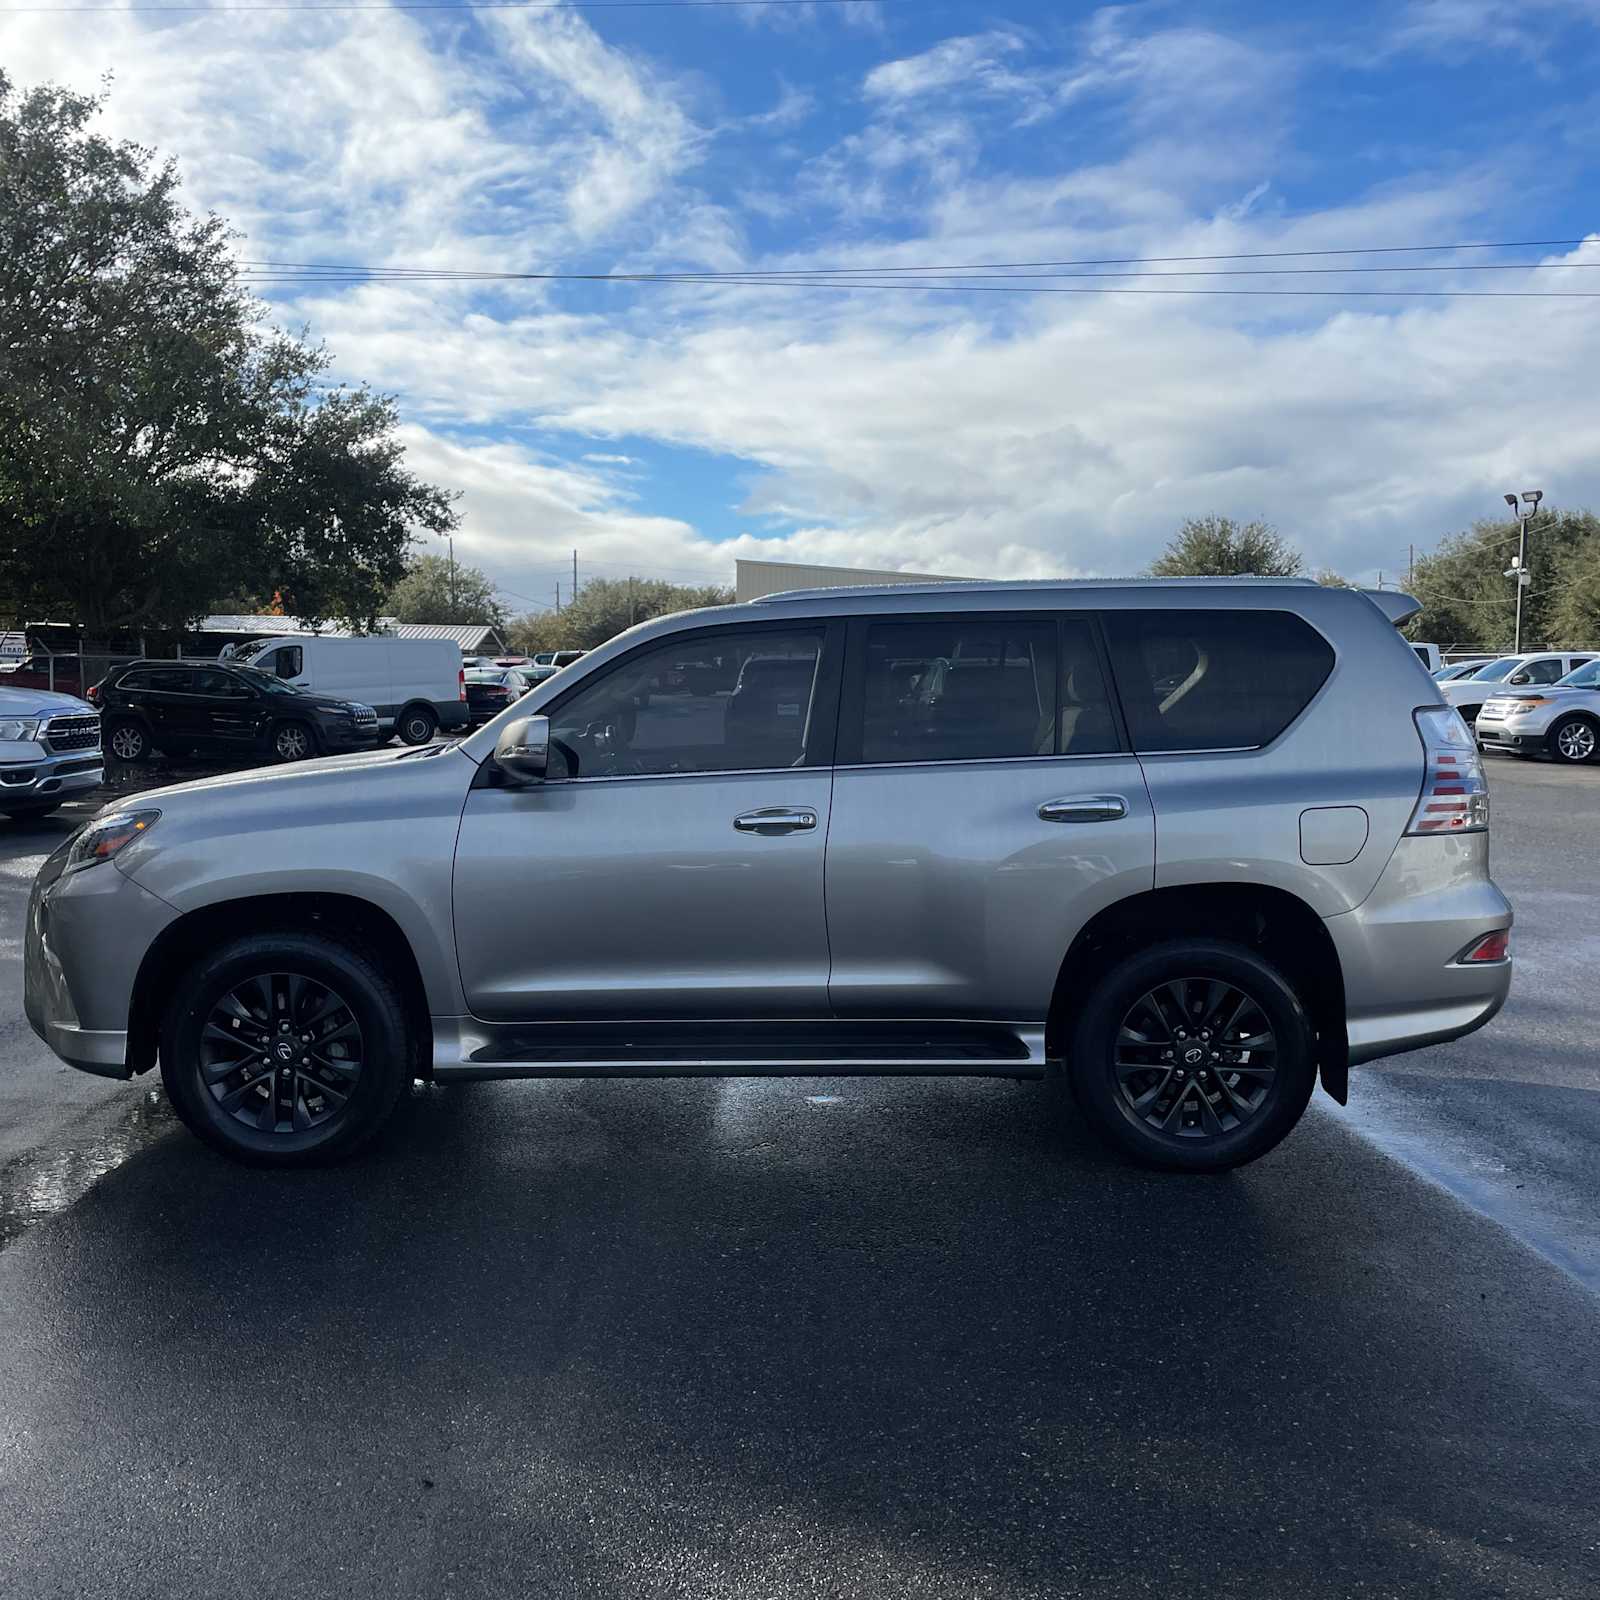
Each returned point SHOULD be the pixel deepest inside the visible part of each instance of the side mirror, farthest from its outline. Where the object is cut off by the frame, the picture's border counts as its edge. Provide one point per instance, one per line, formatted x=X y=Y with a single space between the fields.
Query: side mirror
x=1522 y=677
x=523 y=749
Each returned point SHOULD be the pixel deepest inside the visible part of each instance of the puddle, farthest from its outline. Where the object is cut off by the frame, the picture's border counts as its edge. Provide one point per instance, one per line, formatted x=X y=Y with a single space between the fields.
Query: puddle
x=41 y=1183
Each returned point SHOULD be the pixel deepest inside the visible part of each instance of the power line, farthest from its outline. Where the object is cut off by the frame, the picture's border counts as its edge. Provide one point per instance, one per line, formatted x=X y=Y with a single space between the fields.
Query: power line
x=990 y=266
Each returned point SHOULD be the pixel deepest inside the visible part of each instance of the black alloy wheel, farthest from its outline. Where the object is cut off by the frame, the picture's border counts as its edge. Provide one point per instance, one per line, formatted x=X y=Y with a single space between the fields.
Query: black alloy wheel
x=287 y=1048
x=1194 y=1055
x=281 y=1053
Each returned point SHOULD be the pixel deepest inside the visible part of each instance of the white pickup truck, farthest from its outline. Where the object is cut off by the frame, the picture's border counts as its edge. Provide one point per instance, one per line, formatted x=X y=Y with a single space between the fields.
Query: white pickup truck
x=49 y=750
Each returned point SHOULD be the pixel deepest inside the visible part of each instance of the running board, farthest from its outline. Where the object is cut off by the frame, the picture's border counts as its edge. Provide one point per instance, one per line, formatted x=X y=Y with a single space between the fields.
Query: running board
x=465 y=1047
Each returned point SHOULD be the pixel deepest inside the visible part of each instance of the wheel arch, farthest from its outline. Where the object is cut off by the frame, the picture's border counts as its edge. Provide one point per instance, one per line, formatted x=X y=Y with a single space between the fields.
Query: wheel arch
x=201 y=930
x=1273 y=922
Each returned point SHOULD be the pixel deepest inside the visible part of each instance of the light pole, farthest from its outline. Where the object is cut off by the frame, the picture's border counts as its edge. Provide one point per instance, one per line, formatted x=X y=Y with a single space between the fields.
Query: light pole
x=450 y=540
x=1528 y=508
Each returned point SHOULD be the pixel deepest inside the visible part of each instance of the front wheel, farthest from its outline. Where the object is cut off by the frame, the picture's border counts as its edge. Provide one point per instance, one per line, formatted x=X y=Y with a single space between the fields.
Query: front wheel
x=1194 y=1055
x=286 y=1049
x=1574 y=740
x=292 y=741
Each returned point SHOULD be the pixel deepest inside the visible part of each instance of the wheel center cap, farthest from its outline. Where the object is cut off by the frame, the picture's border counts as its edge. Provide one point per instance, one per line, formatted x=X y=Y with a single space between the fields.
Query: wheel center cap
x=283 y=1050
x=1194 y=1055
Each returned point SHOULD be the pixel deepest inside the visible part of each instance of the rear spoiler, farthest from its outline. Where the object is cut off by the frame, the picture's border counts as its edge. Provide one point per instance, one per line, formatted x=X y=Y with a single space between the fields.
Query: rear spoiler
x=1398 y=608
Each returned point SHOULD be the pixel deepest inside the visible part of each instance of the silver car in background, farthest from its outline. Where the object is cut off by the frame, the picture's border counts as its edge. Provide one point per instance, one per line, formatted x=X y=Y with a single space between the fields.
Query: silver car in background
x=1189 y=844
x=49 y=750
x=1561 y=720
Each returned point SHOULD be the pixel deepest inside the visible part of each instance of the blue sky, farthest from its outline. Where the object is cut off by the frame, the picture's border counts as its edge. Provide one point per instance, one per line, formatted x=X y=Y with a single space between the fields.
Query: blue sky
x=665 y=430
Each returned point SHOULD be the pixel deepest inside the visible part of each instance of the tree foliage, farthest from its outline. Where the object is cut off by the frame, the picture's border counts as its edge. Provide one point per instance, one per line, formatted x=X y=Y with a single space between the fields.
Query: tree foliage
x=1468 y=600
x=1218 y=547
x=160 y=446
x=434 y=591
x=603 y=607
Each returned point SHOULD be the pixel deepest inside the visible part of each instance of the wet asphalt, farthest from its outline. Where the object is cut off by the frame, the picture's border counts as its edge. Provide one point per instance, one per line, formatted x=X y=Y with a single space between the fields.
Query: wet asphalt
x=834 y=1338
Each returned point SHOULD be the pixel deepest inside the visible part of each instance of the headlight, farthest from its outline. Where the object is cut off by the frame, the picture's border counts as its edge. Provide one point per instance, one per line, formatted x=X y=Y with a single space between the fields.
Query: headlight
x=1520 y=708
x=105 y=836
x=20 y=727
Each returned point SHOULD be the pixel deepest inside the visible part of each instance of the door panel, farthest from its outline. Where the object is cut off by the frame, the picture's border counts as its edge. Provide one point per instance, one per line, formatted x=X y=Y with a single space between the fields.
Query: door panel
x=639 y=897
x=950 y=896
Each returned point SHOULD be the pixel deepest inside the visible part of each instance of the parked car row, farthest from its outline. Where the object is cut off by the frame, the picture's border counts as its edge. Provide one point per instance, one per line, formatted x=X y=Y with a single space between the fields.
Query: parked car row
x=1471 y=691
x=1561 y=719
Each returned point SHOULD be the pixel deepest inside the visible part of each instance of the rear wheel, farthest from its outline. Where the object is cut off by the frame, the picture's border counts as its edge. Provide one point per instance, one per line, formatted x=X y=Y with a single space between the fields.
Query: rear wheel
x=286 y=1049
x=417 y=725
x=1194 y=1055
x=127 y=741
x=1574 y=740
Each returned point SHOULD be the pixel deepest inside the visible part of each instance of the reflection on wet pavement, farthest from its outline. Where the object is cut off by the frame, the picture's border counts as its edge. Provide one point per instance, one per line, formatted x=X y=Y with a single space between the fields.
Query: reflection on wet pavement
x=41 y=1183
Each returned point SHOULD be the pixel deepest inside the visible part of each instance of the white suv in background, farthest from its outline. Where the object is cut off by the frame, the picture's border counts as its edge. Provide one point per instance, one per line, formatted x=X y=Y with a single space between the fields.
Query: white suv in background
x=1563 y=718
x=1535 y=670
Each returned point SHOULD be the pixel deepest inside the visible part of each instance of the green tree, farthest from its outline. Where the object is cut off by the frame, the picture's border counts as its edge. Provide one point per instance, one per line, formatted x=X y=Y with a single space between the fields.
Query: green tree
x=1467 y=599
x=434 y=590
x=1575 y=604
x=603 y=607
x=1329 y=579
x=160 y=445
x=1218 y=547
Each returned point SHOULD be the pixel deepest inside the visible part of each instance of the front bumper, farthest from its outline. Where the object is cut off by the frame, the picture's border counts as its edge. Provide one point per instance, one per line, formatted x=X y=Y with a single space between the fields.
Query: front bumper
x=87 y=932
x=31 y=773
x=1404 y=987
x=338 y=738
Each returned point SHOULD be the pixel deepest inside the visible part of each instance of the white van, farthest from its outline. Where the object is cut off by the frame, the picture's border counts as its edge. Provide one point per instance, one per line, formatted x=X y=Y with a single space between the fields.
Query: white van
x=415 y=685
x=1428 y=655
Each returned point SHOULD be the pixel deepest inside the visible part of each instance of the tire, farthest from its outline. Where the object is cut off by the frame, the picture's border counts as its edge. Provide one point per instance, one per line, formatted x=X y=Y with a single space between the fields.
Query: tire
x=1574 y=740
x=127 y=740
x=288 y=1114
x=28 y=813
x=1212 y=1119
x=416 y=725
x=293 y=741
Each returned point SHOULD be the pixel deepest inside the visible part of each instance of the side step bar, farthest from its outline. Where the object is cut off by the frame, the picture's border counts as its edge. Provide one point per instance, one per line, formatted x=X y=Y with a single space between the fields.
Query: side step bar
x=466 y=1047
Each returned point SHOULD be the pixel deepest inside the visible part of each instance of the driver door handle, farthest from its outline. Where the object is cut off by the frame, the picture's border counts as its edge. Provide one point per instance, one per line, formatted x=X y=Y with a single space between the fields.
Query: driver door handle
x=1085 y=808
x=775 y=820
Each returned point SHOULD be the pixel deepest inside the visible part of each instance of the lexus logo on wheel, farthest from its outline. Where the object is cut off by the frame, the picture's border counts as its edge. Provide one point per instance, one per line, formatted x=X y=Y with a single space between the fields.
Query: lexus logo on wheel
x=1193 y=1054
x=284 y=1050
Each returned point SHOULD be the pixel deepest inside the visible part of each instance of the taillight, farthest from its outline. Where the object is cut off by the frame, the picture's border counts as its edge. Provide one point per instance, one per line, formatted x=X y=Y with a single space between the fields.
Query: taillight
x=1455 y=793
x=461 y=683
x=92 y=693
x=1494 y=946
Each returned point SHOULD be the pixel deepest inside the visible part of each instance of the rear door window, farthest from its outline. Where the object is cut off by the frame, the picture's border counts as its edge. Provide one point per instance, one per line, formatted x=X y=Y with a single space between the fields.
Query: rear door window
x=1214 y=680
x=969 y=688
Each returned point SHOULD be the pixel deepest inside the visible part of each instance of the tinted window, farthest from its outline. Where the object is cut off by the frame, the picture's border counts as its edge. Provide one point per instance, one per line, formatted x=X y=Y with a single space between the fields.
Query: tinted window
x=169 y=680
x=218 y=685
x=1214 y=680
x=1546 y=670
x=1496 y=670
x=968 y=689
x=731 y=701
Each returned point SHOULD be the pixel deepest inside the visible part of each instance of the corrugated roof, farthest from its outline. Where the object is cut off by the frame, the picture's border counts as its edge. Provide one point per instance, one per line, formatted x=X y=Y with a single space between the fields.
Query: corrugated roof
x=472 y=637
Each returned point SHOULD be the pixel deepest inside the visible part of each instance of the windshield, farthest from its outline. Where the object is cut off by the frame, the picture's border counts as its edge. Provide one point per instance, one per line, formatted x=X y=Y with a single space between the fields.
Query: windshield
x=1496 y=670
x=1585 y=677
x=248 y=652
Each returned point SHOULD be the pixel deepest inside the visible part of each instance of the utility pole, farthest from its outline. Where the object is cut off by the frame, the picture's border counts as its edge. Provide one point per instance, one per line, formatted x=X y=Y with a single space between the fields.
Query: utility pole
x=574 y=574
x=450 y=539
x=558 y=594
x=1519 y=567
x=1411 y=567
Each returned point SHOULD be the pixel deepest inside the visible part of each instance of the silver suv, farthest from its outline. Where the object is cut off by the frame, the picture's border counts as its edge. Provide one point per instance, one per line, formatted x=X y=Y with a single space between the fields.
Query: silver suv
x=1189 y=844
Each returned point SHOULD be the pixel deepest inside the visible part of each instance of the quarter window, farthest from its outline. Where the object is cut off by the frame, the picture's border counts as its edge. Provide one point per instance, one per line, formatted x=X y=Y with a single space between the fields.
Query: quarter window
x=966 y=689
x=1214 y=680
x=164 y=680
x=731 y=701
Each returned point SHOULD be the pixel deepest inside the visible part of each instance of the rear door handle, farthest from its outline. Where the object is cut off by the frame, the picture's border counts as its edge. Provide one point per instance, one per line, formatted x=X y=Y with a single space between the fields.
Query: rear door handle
x=1084 y=808
x=776 y=819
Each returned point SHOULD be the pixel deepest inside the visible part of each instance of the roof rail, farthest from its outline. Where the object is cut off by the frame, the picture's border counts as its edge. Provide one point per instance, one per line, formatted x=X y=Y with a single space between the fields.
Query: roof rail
x=1024 y=586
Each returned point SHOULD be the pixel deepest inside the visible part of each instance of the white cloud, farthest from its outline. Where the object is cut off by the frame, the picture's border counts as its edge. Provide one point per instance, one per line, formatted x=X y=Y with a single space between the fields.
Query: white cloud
x=973 y=63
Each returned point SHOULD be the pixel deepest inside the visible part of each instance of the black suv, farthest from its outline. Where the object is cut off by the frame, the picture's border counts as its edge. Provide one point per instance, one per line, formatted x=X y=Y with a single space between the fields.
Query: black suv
x=217 y=708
